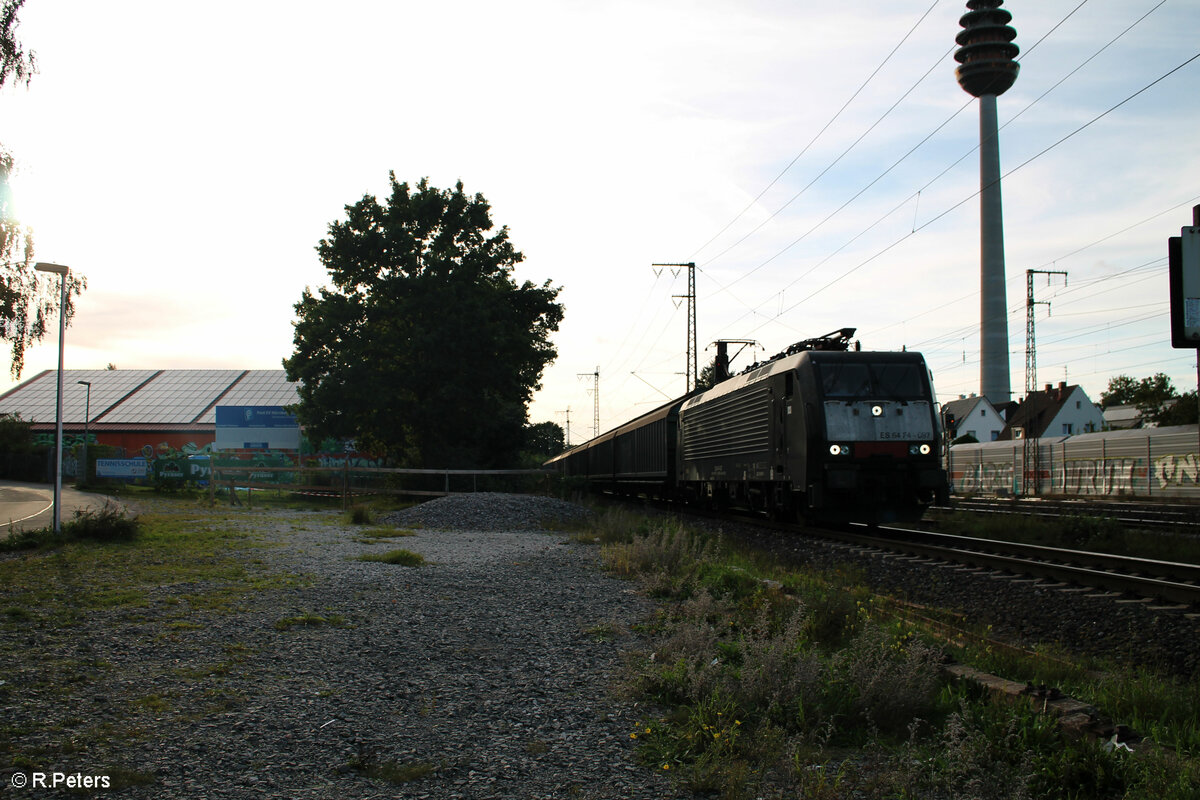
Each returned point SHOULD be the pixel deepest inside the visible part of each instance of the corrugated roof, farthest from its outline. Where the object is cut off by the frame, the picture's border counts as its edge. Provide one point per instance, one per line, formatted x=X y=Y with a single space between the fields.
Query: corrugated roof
x=147 y=397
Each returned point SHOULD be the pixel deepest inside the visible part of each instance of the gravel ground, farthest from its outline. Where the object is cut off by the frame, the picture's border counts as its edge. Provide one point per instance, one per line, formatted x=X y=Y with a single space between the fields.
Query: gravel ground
x=491 y=664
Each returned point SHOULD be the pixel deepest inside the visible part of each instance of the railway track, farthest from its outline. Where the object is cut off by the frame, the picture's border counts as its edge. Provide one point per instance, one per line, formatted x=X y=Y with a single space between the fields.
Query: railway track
x=1141 y=577
x=1152 y=516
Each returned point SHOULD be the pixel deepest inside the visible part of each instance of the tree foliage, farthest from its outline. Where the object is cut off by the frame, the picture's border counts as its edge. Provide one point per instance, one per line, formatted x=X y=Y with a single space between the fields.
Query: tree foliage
x=15 y=63
x=28 y=299
x=1155 y=398
x=424 y=348
x=544 y=440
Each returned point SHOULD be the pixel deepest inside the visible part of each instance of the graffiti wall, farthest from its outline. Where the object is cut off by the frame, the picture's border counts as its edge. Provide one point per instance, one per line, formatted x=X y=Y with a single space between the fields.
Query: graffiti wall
x=1151 y=464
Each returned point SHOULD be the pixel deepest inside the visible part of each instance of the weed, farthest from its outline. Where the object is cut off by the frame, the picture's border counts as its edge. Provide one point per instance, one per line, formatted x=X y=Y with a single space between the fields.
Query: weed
x=405 y=558
x=308 y=619
x=604 y=631
x=390 y=771
x=360 y=515
x=122 y=778
x=373 y=535
x=152 y=702
x=17 y=614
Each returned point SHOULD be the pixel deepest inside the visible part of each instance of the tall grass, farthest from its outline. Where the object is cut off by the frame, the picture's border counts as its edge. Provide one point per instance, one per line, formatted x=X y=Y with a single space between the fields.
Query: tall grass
x=768 y=682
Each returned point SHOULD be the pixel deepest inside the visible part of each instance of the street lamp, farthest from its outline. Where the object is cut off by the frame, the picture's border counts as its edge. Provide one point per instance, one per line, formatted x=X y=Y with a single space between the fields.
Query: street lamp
x=87 y=413
x=62 y=272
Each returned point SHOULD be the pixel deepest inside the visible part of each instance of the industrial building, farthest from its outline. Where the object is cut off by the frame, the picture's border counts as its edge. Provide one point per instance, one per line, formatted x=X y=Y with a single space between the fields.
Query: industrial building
x=143 y=411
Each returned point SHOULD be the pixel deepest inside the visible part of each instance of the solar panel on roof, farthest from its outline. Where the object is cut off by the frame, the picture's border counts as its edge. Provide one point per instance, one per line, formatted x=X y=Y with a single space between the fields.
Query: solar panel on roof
x=145 y=396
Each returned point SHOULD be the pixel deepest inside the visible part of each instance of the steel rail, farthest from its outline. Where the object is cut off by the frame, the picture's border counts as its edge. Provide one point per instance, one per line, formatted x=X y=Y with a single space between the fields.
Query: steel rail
x=1171 y=581
x=1147 y=516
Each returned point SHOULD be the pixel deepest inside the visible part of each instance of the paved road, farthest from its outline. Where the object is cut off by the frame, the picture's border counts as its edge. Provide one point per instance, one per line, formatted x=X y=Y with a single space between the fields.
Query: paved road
x=25 y=506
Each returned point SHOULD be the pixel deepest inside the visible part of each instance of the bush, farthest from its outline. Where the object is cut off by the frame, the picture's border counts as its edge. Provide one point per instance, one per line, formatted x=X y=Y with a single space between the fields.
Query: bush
x=106 y=524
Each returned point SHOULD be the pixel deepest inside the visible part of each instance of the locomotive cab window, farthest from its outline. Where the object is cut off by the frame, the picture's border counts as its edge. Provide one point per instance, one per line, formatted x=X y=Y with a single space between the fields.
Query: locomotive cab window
x=897 y=380
x=889 y=380
x=845 y=380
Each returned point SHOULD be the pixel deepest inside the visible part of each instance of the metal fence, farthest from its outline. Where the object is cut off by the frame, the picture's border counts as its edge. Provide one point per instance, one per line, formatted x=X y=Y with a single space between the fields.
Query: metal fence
x=347 y=482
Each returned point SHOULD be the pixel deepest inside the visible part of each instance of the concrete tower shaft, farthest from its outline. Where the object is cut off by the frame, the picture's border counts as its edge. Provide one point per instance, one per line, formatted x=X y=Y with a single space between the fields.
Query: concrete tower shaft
x=987 y=69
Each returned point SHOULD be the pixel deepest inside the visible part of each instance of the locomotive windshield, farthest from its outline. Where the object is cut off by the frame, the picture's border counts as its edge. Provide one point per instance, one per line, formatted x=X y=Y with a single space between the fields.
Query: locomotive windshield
x=899 y=381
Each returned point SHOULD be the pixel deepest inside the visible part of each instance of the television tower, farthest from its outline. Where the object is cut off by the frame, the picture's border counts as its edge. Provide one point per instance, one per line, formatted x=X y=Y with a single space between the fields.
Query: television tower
x=986 y=70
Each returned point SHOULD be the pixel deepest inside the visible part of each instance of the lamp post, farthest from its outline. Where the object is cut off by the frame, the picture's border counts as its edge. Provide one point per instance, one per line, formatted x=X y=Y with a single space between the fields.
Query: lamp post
x=87 y=414
x=62 y=272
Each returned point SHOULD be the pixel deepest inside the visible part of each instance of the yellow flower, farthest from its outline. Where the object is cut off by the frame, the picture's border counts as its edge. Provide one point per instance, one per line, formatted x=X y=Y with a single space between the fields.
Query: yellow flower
x=633 y=736
x=666 y=766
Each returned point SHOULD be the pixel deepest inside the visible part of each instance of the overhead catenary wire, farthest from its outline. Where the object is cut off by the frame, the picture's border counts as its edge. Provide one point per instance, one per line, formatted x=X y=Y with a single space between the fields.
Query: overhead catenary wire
x=819 y=133
x=911 y=198
x=1015 y=169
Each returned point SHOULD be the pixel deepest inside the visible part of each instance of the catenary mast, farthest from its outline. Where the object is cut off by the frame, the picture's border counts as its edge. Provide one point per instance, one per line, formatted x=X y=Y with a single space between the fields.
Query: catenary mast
x=986 y=70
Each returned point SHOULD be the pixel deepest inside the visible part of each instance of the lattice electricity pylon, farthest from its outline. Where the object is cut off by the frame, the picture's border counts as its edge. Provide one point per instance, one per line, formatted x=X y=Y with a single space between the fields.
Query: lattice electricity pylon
x=1031 y=383
x=567 y=432
x=1029 y=451
x=693 y=368
x=595 y=399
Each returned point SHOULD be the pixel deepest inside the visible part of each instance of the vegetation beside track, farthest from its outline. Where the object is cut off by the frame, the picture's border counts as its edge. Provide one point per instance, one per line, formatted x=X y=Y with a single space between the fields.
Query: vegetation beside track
x=1074 y=532
x=769 y=682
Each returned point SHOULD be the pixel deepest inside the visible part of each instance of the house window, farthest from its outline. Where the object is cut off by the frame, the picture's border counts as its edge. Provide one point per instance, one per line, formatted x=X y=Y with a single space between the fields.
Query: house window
x=1078 y=403
x=1068 y=429
x=972 y=435
x=983 y=412
x=995 y=435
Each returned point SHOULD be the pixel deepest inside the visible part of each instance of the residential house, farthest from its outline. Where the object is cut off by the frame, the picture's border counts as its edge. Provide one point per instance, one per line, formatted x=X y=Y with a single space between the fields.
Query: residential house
x=1058 y=411
x=972 y=416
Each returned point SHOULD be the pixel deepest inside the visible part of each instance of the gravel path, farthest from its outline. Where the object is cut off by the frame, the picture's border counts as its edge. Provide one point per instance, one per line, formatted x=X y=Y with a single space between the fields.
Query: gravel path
x=489 y=666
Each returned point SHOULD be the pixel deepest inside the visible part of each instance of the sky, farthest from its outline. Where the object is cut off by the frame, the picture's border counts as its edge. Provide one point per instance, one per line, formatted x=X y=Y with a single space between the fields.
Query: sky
x=817 y=162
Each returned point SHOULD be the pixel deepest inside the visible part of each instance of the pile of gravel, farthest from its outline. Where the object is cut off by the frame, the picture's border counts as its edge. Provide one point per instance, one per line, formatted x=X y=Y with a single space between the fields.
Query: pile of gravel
x=491 y=511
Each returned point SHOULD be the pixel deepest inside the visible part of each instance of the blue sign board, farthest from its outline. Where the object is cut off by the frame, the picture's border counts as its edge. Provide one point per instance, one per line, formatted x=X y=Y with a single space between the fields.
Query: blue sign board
x=256 y=428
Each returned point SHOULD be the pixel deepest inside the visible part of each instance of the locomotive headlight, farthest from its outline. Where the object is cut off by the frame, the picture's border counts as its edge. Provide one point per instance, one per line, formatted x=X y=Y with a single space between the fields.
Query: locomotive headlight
x=919 y=449
x=876 y=411
x=839 y=449
x=925 y=449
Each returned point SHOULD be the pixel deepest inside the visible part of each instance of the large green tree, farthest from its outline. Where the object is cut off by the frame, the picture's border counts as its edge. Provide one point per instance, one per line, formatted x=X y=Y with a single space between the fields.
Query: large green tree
x=28 y=299
x=424 y=347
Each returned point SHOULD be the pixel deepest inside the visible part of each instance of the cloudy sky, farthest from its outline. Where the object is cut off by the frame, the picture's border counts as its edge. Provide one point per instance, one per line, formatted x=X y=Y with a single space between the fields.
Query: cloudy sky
x=816 y=160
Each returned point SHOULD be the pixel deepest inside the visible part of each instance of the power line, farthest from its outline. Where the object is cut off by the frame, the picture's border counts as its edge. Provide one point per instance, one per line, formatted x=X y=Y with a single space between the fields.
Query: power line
x=940 y=174
x=821 y=132
x=1020 y=166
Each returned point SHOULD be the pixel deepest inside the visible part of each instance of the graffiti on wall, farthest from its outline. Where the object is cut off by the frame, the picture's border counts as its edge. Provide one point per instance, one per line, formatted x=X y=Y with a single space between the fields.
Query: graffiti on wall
x=1088 y=476
x=70 y=440
x=1104 y=476
x=1181 y=469
x=985 y=478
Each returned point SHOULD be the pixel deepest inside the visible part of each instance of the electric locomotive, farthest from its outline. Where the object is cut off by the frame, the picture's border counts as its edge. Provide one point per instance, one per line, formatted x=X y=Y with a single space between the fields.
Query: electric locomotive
x=819 y=431
x=823 y=431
